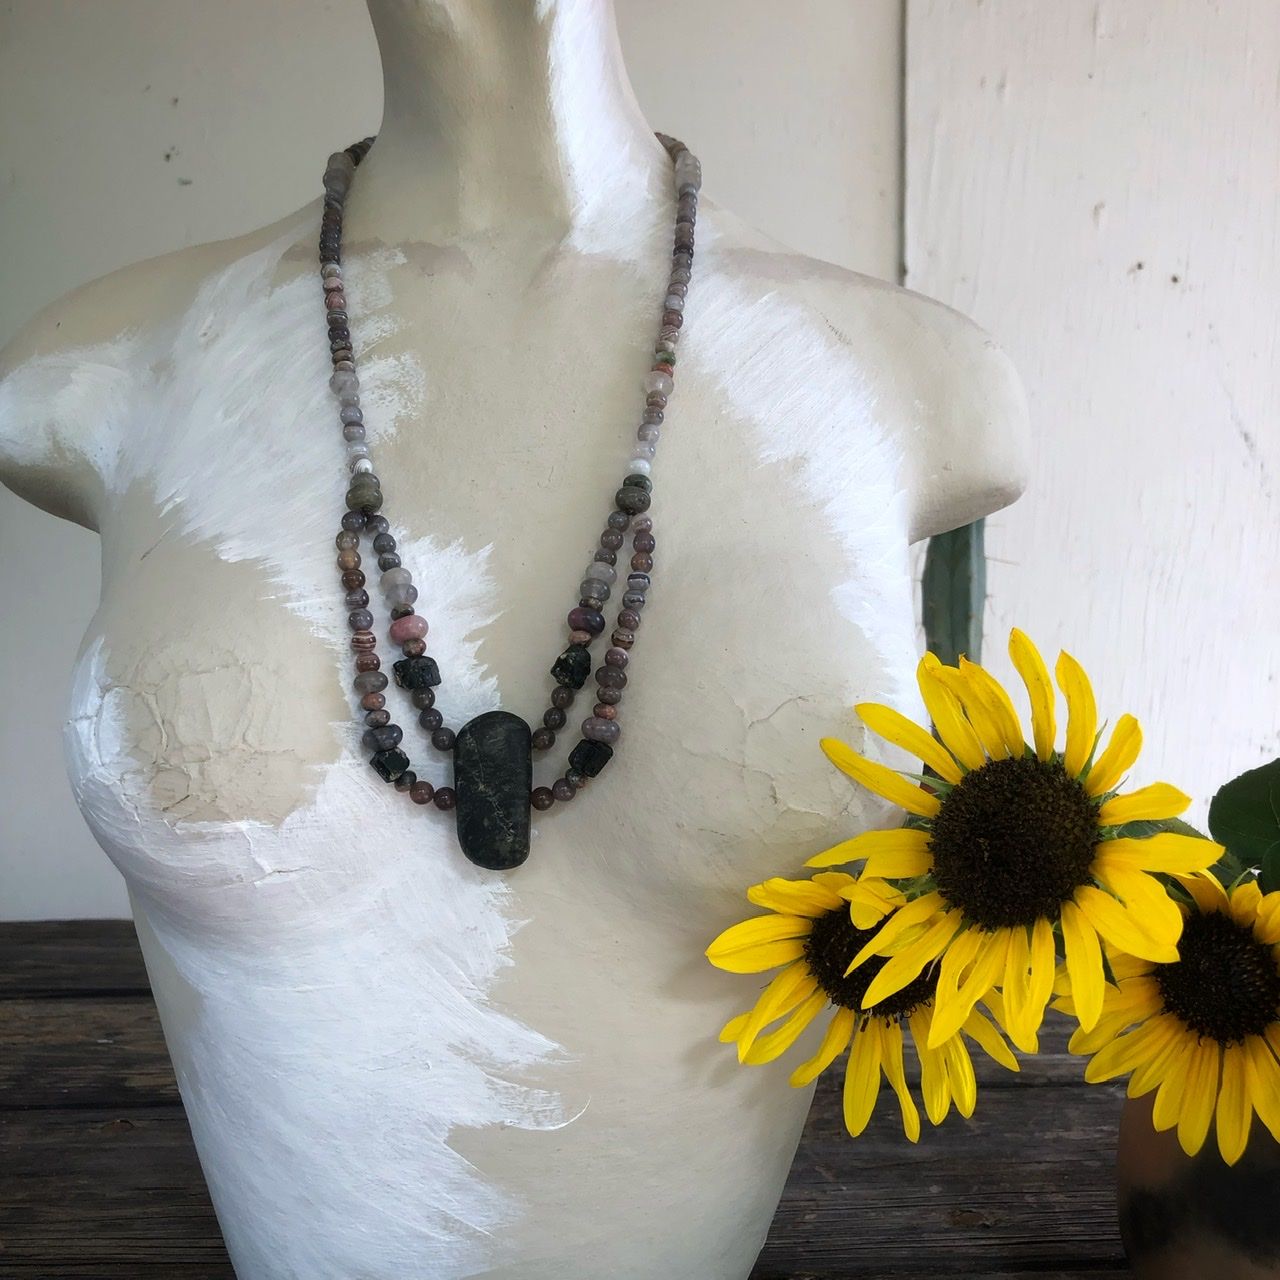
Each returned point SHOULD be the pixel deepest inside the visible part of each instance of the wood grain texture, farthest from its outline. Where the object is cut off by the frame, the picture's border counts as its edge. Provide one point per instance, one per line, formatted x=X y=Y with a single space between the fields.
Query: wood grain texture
x=1094 y=181
x=98 y=1177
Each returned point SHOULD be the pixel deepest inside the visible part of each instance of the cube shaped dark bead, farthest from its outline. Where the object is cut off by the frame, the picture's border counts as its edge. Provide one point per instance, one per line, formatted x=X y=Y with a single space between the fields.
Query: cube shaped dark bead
x=590 y=757
x=416 y=673
x=572 y=667
x=389 y=765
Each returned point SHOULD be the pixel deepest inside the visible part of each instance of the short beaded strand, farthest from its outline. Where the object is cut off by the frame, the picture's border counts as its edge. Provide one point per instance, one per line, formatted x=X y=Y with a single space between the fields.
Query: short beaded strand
x=415 y=671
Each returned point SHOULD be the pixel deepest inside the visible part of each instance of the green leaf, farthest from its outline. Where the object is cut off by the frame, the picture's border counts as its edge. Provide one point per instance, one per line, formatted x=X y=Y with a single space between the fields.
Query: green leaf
x=954 y=593
x=1245 y=816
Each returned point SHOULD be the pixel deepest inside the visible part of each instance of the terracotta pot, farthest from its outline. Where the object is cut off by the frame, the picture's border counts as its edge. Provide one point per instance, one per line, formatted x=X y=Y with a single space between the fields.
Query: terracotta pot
x=1184 y=1218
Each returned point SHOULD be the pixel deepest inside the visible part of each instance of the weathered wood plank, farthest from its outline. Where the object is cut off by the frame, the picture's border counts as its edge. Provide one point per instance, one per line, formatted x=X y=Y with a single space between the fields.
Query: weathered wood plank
x=99 y=1194
x=77 y=1052
x=71 y=958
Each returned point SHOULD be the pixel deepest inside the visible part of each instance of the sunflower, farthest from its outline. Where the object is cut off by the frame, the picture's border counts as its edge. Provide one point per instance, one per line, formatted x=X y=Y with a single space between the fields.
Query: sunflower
x=1204 y=1030
x=1009 y=845
x=814 y=929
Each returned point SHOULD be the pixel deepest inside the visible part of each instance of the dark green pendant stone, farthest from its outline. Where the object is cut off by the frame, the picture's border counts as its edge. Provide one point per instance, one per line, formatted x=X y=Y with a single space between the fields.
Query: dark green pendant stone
x=493 y=776
x=389 y=765
x=573 y=666
x=416 y=673
x=590 y=757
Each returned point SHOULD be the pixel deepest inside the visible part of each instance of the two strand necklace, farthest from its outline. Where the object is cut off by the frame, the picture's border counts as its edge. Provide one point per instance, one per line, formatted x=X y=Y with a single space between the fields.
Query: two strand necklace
x=493 y=792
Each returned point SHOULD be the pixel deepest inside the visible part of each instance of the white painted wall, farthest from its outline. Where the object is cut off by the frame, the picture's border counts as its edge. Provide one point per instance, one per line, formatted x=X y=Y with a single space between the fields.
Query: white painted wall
x=1096 y=182
x=132 y=127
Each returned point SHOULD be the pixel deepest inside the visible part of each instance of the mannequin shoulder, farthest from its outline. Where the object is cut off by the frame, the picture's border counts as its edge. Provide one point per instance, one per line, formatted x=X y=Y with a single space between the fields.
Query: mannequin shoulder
x=68 y=376
x=940 y=385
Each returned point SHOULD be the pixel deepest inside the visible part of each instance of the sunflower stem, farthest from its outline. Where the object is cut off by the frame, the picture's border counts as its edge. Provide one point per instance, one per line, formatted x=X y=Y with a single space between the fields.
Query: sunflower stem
x=953 y=593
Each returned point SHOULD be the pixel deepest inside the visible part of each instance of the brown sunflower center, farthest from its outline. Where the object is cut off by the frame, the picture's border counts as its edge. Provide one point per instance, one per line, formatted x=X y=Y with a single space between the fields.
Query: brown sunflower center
x=828 y=951
x=1013 y=841
x=1225 y=984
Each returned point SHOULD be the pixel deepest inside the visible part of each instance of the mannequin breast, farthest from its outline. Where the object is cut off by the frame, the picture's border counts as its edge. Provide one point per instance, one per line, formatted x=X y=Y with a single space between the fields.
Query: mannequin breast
x=395 y=1063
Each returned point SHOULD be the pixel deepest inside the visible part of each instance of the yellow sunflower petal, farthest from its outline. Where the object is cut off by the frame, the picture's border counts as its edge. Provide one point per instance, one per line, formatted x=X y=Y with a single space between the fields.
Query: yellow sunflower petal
x=948 y=717
x=964 y=1084
x=1122 y=1055
x=977 y=710
x=1153 y=803
x=998 y=703
x=766 y=1048
x=1122 y=927
x=1168 y=1041
x=790 y=988
x=1145 y=895
x=763 y=942
x=894 y=727
x=1267 y=926
x=1084 y=964
x=934 y=1086
x=1205 y=889
x=881 y=779
x=891 y=1044
x=733 y=1028
x=1119 y=757
x=870 y=900
x=1234 y=1114
x=794 y=897
x=897 y=847
x=1168 y=1102
x=1246 y=898
x=1082 y=714
x=1044 y=966
x=959 y=956
x=979 y=1027
x=951 y=1013
x=1199 y=1097
x=906 y=965
x=1020 y=1021
x=915 y=912
x=1169 y=852
x=862 y=1078
x=834 y=1043
x=1035 y=675
x=1264 y=1083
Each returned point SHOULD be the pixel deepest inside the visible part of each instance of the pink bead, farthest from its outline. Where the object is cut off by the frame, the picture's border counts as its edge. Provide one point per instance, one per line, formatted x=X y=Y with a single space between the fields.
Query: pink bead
x=410 y=627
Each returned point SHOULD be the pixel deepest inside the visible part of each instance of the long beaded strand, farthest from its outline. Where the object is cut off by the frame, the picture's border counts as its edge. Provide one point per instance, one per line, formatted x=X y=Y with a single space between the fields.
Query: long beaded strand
x=418 y=673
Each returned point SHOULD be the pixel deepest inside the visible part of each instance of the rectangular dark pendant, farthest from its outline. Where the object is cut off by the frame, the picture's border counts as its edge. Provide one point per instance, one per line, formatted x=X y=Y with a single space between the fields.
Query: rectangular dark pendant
x=493 y=775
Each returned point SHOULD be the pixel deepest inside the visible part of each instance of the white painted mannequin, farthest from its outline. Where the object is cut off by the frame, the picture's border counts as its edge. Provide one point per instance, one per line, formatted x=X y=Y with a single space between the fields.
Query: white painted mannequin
x=397 y=1065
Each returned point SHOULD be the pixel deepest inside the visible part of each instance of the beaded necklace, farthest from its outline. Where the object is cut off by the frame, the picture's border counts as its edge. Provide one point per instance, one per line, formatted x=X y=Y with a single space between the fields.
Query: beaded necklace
x=493 y=791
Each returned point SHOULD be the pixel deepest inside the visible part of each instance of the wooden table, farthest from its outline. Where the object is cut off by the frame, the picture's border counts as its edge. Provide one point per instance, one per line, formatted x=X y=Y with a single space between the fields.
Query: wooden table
x=98 y=1177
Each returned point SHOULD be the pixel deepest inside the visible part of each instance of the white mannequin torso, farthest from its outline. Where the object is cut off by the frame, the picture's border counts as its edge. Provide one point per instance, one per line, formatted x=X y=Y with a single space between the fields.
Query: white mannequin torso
x=396 y=1064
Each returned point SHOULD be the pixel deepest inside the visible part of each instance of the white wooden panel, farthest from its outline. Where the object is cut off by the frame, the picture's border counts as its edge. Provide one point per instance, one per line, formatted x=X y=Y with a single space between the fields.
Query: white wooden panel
x=1095 y=181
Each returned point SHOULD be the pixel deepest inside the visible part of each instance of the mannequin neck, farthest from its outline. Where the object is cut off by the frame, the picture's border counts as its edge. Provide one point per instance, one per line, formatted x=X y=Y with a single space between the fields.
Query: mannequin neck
x=503 y=113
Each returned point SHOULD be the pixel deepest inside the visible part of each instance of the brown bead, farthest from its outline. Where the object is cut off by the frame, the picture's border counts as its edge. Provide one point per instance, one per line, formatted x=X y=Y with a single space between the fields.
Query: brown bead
x=641 y=563
x=644 y=543
x=623 y=638
x=421 y=792
x=541 y=798
x=562 y=696
x=348 y=559
x=364 y=641
x=580 y=637
x=563 y=790
x=445 y=798
x=373 y=701
x=553 y=718
x=605 y=711
x=542 y=739
x=672 y=319
x=377 y=719
x=413 y=648
x=352 y=579
x=628 y=620
x=609 y=696
x=663 y=367
x=368 y=662
x=616 y=657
